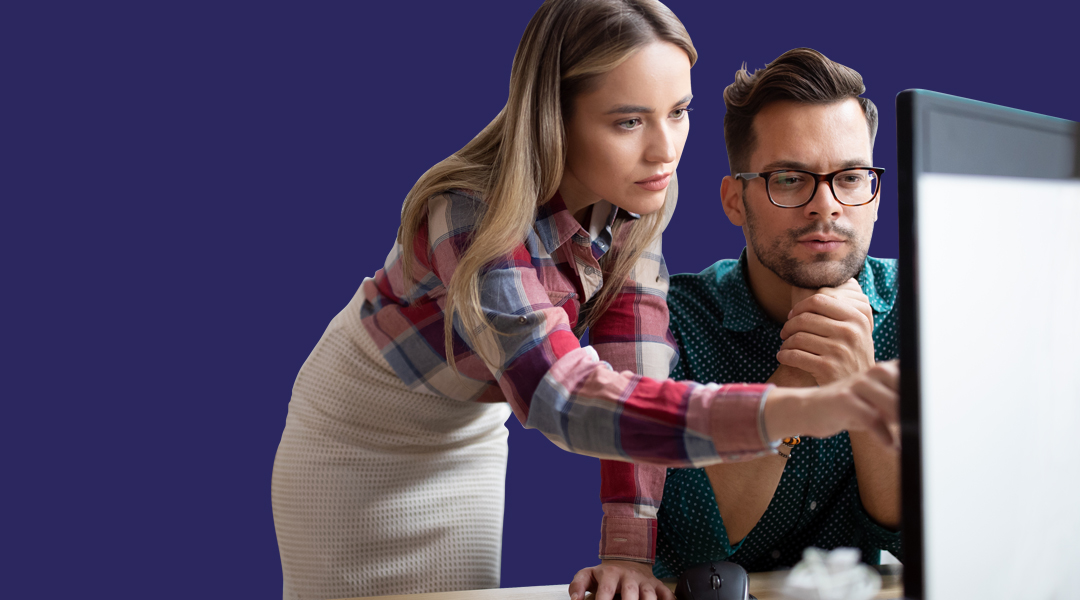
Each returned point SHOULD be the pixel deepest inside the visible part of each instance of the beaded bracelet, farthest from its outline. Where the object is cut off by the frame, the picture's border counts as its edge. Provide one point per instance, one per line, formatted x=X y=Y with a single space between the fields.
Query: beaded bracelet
x=790 y=442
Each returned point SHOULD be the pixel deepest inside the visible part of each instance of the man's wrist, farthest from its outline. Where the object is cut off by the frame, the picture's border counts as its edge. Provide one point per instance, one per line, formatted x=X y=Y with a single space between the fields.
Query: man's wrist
x=788 y=376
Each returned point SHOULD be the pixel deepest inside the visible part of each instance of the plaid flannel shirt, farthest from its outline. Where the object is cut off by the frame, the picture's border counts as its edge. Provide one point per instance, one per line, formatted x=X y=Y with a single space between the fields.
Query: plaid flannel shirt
x=611 y=400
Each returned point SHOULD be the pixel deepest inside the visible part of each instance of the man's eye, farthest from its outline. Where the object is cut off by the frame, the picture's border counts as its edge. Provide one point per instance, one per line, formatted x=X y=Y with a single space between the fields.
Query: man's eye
x=789 y=180
x=630 y=123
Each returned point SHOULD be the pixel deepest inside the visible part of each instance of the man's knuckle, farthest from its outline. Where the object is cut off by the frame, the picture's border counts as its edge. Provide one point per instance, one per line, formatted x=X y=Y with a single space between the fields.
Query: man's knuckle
x=852 y=333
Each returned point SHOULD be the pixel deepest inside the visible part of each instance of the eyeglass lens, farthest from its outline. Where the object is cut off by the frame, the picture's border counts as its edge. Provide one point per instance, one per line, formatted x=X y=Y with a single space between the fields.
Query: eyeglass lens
x=792 y=188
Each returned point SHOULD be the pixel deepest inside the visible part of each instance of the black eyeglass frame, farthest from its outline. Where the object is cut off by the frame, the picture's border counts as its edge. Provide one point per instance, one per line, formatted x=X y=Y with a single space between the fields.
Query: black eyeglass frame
x=818 y=179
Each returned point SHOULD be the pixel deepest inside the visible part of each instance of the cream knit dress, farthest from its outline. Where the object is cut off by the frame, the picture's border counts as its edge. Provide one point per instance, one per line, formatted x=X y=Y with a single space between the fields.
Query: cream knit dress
x=381 y=490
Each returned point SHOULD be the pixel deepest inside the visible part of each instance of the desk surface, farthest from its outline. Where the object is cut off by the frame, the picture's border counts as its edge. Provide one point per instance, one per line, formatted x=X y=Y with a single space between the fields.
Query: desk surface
x=766 y=586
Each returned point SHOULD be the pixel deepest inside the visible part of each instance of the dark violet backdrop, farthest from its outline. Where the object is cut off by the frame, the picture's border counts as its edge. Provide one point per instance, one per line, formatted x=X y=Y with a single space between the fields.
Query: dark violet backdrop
x=191 y=191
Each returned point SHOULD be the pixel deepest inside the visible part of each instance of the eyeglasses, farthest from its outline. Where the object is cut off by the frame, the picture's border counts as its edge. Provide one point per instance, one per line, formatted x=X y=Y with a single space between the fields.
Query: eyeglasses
x=792 y=188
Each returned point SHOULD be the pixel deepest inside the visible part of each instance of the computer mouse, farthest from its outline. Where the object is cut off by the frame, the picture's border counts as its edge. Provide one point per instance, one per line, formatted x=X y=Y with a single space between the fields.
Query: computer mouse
x=717 y=580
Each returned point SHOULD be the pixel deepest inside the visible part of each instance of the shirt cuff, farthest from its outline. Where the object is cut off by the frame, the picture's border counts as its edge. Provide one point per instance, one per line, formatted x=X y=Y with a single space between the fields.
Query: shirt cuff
x=735 y=419
x=628 y=538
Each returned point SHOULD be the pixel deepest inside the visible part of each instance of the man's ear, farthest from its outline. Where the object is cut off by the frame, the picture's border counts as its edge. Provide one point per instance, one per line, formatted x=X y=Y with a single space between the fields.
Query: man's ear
x=731 y=196
x=877 y=204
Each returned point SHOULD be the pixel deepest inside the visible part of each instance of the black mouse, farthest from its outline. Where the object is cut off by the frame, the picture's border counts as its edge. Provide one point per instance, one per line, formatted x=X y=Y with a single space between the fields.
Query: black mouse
x=717 y=580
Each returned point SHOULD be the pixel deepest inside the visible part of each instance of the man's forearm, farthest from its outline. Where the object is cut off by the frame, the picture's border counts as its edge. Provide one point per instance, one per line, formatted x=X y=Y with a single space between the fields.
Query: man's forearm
x=744 y=490
x=877 y=469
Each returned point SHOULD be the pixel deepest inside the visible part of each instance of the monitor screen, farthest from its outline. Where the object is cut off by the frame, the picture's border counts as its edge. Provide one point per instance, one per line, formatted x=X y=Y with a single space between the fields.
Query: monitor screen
x=990 y=384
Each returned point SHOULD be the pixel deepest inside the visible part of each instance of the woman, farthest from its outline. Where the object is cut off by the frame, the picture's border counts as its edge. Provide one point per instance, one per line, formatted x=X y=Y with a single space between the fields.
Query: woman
x=390 y=473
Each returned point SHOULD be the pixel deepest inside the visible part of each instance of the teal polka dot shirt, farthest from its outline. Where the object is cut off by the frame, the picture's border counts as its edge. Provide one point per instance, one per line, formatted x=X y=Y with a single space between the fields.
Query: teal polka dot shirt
x=724 y=336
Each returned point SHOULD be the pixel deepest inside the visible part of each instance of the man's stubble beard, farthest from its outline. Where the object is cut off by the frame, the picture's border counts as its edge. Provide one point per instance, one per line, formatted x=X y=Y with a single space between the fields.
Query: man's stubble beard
x=820 y=273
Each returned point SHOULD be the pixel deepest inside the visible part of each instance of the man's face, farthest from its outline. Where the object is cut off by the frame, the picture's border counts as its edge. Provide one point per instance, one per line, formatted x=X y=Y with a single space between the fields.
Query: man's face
x=824 y=243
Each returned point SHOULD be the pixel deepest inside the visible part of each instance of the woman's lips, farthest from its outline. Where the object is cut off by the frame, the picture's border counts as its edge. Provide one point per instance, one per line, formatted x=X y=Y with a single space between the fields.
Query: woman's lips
x=655 y=183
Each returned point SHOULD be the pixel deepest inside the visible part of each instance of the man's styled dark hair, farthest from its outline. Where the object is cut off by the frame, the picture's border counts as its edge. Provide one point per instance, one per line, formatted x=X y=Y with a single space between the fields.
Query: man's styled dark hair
x=800 y=75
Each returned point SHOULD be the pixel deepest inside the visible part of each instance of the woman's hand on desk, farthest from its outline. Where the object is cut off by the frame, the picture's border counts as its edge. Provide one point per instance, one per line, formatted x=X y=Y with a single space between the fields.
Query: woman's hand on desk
x=868 y=401
x=633 y=580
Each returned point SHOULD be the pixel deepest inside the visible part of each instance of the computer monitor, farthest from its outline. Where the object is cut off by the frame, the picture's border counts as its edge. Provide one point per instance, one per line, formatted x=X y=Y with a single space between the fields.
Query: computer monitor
x=989 y=202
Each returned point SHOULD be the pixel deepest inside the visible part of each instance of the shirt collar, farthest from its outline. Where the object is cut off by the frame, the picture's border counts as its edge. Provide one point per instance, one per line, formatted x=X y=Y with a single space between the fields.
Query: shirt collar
x=741 y=309
x=743 y=313
x=555 y=225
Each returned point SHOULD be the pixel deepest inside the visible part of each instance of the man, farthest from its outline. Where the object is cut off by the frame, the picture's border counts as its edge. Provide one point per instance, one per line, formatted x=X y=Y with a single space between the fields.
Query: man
x=803 y=306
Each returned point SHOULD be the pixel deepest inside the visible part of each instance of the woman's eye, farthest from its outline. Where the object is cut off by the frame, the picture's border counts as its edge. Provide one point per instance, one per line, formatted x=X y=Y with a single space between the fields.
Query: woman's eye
x=680 y=113
x=630 y=123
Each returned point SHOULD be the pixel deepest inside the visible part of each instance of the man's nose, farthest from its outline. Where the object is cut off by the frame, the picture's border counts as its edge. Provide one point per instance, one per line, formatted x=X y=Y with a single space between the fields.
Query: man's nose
x=824 y=204
x=661 y=145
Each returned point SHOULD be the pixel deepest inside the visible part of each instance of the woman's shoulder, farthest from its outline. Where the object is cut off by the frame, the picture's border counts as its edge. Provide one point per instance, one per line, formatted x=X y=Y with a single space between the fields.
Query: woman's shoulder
x=459 y=197
x=455 y=211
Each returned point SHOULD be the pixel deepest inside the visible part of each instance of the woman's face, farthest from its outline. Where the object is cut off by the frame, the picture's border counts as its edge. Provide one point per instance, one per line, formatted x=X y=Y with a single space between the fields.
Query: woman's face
x=625 y=137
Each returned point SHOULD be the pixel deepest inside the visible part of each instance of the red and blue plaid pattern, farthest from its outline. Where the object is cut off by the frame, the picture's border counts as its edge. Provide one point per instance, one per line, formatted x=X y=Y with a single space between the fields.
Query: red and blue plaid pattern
x=610 y=400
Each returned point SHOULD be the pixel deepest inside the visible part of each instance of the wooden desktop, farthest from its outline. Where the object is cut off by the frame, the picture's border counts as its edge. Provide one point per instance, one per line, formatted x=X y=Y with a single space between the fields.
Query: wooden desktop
x=765 y=586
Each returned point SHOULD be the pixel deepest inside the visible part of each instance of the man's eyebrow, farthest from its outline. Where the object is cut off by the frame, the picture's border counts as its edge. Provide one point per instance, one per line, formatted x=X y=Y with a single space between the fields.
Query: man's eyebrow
x=858 y=162
x=794 y=164
x=631 y=108
x=785 y=164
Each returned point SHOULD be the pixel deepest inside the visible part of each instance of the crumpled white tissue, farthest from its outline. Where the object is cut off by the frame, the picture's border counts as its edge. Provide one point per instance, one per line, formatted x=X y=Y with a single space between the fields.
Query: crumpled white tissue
x=835 y=575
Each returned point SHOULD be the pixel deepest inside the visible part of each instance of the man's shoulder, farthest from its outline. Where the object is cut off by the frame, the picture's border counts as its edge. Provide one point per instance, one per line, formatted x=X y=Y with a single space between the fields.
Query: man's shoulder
x=884 y=274
x=699 y=288
x=709 y=277
x=883 y=297
x=887 y=267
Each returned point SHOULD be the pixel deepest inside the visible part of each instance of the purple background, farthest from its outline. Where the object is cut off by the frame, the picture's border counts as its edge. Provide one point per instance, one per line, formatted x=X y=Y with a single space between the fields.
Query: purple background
x=190 y=193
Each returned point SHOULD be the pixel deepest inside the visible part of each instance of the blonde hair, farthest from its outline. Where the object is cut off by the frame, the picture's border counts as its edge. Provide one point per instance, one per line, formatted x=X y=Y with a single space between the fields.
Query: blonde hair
x=516 y=162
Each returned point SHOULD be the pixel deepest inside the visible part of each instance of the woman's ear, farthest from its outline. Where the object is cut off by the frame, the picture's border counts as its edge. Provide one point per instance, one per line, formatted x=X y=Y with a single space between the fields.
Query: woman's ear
x=731 y=192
